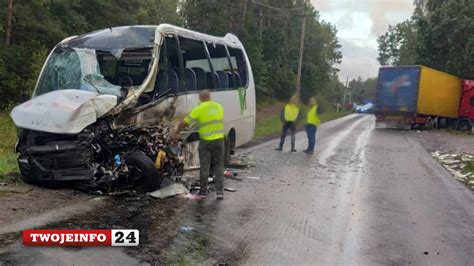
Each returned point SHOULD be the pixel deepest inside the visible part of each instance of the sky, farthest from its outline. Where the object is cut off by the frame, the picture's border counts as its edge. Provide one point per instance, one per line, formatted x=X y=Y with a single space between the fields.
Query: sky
x=359 y=23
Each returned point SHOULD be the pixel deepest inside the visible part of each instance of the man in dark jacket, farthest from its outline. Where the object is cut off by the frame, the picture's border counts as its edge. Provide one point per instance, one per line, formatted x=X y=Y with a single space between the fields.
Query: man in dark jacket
x=288 y=116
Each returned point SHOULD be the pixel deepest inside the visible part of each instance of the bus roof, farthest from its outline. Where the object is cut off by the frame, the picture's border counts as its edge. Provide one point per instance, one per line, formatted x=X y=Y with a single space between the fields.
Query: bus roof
x=139 y=36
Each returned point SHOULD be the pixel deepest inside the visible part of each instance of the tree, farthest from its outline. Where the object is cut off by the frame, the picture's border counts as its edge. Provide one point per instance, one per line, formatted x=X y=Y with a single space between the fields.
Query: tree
x=438 y=36
x=444 y=41
x=398 y=45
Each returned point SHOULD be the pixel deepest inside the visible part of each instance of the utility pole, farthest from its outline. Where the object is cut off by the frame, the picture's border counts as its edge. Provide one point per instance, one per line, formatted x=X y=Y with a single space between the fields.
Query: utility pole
x=300 y=62
x=244 y=13
x=261 y=23
x=8 y=32
x=345 y=91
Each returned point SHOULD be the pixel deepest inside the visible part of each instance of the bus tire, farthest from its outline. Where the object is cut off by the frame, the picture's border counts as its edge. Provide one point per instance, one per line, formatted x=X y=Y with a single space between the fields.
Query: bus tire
x=150 y=179
x=229 y=145
x=227 y=149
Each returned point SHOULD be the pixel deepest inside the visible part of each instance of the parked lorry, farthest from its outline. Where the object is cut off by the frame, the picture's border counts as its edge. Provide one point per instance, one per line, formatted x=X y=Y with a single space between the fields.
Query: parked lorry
x=422 y=97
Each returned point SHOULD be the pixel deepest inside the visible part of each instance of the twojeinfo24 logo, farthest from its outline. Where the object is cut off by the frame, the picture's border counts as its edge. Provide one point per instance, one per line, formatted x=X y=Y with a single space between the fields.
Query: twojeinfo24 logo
x=102 y=237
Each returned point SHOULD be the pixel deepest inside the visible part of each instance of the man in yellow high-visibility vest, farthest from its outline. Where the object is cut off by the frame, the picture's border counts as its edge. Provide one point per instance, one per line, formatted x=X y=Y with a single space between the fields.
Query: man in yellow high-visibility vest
x=288 y=117
x=209 y=116
x=312 y=123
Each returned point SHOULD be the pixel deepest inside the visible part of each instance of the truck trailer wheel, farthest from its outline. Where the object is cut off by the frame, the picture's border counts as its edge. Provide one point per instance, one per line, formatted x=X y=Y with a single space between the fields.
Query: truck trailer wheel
x=464 y=126
x=143 y=168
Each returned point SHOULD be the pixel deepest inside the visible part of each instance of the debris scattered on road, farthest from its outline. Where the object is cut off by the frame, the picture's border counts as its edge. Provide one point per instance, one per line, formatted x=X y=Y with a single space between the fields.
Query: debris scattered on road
x=192 y=196
x=242 y=161
x=459 y=165
x=186 y=229
x=169 y=191
x=230 y=189
x=253 y=177
x=228 y=173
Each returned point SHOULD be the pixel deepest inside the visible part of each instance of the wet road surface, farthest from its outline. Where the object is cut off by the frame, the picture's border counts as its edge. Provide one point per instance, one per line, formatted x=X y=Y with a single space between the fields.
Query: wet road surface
x=367 y=196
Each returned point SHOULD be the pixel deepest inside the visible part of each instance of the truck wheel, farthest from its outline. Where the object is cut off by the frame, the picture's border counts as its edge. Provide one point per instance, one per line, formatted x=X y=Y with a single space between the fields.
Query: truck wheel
x=143 y=169
x=464 y=126
x=434 y=123
x=443 y=123
x=429 y=123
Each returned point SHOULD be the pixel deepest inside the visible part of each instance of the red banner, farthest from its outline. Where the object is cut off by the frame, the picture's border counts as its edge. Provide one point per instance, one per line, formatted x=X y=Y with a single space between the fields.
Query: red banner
x=67 y=237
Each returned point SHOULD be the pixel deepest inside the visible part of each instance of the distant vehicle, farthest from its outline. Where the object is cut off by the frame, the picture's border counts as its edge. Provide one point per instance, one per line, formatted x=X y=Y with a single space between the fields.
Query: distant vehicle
x=418 y=96
x=365 y=109
x=96 y=115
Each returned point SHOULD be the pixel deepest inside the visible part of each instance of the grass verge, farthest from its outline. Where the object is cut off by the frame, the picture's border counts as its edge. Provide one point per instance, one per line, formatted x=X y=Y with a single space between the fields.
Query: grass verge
x=8 y=158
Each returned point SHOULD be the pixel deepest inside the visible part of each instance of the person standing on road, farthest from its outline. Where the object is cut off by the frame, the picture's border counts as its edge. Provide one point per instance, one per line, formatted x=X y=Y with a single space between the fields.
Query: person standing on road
x=288 y=117
x=209 y=116
x=312 y=123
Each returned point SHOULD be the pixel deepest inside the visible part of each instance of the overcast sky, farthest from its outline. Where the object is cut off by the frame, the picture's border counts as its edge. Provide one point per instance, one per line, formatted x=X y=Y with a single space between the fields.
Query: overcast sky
x=359 y=22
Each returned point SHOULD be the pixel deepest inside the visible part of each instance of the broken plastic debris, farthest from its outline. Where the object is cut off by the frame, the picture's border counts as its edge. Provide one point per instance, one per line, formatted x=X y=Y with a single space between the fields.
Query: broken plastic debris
x=186 y=229
x=253 y=177
x=169 y=191
x=192 y=196
x=228 y=173
x=230 y=189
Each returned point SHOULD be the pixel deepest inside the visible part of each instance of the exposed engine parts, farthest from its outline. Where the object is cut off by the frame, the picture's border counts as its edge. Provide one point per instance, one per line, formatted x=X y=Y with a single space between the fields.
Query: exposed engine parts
x=102 y=158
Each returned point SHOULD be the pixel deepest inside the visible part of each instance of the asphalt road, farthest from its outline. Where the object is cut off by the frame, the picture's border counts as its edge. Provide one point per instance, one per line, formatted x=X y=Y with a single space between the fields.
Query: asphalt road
x=367 y=196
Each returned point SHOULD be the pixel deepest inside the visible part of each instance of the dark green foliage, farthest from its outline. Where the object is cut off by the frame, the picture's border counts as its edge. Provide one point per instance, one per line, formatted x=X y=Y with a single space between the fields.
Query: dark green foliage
x=271 y=38
x=439 y=35
x=363 y=90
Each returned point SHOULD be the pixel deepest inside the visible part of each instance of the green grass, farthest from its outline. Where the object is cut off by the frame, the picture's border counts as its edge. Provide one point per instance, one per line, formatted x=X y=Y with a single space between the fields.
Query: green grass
x=272 y=125
x=8 y=158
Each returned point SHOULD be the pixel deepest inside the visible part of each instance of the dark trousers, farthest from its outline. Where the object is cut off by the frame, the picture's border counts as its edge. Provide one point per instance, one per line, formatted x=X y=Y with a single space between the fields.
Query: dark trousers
x=311 y=132
x=211 y=152
x=288 y=126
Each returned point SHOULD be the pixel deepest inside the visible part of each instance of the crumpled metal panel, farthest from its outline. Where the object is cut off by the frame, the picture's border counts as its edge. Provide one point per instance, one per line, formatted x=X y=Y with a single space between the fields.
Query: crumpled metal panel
x=62 y=112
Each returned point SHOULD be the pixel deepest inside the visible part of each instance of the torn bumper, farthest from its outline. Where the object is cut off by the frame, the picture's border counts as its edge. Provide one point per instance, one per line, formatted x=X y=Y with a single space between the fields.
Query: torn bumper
x=34 y=171
x=45 y=166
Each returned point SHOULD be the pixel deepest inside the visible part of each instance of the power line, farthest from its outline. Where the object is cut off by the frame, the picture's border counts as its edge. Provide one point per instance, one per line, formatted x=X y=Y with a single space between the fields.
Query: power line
x=278 y=8
x=253 y=13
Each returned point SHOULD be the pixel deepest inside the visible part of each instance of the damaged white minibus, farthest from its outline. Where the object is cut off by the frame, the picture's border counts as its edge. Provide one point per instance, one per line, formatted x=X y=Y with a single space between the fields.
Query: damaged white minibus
x=104 y=103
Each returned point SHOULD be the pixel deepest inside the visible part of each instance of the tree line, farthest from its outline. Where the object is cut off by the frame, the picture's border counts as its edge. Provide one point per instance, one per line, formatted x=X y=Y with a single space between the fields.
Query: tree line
x=269 y=29
x=440 y=34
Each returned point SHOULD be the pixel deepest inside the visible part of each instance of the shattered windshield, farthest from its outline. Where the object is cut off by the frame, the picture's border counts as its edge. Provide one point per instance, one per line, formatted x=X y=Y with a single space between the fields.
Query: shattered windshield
x=105 y=72
x=77 y=69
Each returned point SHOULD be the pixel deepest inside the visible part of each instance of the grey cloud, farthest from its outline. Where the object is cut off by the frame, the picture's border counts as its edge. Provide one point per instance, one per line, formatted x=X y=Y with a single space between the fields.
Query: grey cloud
x=359 y=55
x=357 y=61
x=377 y=10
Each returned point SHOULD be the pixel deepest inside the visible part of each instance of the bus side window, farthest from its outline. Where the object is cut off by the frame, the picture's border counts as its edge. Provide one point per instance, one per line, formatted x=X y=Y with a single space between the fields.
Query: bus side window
x=196 y=64
x=169 y=74
x=221 y=65
x=239 y=65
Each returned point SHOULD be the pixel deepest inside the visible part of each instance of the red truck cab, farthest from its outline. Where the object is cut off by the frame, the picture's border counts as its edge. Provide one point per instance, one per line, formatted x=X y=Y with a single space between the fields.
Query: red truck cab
x=466 y=106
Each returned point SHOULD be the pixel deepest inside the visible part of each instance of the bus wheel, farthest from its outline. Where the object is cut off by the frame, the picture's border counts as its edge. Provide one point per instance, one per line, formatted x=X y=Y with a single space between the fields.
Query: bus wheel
x=229 y=146
x=464 y=126
x=144 y=171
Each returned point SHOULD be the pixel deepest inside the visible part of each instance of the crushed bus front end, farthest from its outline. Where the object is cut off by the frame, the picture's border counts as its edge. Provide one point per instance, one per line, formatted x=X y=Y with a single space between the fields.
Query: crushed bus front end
x=81 y=126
